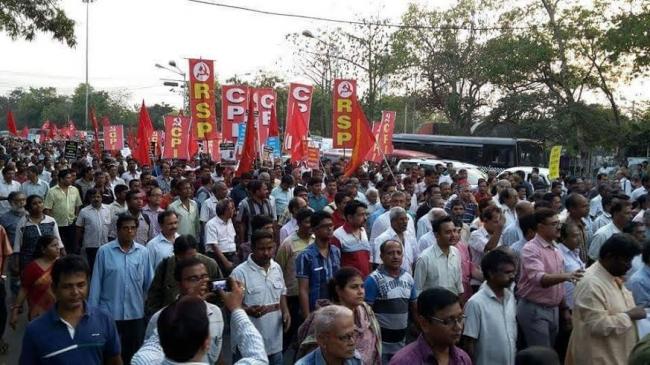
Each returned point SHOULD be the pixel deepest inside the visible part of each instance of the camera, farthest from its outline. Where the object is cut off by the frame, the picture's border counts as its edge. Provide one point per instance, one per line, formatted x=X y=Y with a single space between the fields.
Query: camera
x=219 y=284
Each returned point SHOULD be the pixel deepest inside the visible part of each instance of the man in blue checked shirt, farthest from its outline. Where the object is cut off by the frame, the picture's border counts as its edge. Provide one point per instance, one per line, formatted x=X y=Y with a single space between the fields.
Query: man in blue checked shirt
x=72 y=332
x=121 y=276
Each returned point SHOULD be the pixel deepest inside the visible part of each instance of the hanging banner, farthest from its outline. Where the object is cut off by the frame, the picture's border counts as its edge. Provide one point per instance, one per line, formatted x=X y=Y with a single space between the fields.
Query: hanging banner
x=313 y=158
x=554 y=163
x=157 y=138
x=233 y=110
x=344 y=94
x=299 y=95
x=177 y=137
x=383 y=132
x=265 y=104
x=113 y=137
x=202 y=99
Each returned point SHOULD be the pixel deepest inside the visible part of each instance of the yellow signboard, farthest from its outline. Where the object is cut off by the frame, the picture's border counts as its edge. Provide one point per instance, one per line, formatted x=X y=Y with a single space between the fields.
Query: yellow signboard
x=554 y=163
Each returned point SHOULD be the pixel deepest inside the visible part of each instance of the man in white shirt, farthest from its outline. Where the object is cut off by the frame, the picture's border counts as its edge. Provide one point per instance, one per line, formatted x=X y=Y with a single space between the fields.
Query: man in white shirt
x=7 y=185
x=131 y=173
x=512 y=233
x=382 y=223
x=398 y=231
x=162 y=245
x=643 y=189
x=621 y=212
x=486 y=238
x=439 y=265
x=265 y=297
x=115 y=180
x=34 y=185
x=295 y=205
x=283 y=194
x=425 y=225
x=490 y=331
x=93 y=225
x=508 y=200
x=220 y=232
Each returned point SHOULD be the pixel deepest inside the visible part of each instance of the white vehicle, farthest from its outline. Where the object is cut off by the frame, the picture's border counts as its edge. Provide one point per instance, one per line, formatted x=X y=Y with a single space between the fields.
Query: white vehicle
x=543 y=173
x=473 y=172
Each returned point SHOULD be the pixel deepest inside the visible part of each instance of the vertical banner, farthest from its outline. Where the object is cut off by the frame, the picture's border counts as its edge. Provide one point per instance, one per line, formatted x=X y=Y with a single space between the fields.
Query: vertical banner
x=344 y=95
x=300 y=96
x=313 y=158
x=157 y=142
x=214 y=150
x=233 y=110
x=114 y=138
x=202 y=99
x=383 y=132
x=265 y=105
x=554 y=163
x=177 y=137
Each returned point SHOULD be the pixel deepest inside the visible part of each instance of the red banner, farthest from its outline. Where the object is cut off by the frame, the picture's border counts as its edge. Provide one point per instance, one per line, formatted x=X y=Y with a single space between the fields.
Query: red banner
x=265 y=99
x=202 y=99
x=383 y=132
x=300 y=96
x=213 y=149
x=233 y=110
x=157 y=139
x=177 y=137
x=344 y=94
x=114 y=137
x=313 y=158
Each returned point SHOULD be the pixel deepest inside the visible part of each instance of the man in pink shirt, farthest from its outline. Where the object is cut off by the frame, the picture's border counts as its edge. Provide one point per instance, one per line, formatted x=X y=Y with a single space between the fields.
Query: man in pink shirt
x=540 y=288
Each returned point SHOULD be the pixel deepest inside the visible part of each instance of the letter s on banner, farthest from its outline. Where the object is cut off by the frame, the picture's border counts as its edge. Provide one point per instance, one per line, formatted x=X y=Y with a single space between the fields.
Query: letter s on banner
x=344 y=93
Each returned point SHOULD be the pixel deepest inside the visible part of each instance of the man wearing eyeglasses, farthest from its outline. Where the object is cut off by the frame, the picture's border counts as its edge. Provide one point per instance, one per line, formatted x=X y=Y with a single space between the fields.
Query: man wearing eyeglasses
x=336 y=338
x=540 y=286
x=441 y=319
x=192 y=277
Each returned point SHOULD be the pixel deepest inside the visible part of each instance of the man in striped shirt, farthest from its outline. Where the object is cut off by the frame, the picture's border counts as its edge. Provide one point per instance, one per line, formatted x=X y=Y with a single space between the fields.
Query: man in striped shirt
x=390 y=290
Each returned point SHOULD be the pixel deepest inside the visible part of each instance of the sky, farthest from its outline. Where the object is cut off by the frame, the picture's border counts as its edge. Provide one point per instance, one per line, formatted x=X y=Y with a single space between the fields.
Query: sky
x=128 y=37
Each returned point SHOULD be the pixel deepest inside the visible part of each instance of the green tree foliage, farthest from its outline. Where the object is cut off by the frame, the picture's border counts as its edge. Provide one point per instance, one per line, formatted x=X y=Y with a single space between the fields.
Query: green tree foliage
x=24 y=18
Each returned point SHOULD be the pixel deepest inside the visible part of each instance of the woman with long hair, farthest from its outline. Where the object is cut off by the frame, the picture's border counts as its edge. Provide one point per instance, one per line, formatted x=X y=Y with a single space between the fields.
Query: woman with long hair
x=36 y=281
x=34 y=225
x=346 y=288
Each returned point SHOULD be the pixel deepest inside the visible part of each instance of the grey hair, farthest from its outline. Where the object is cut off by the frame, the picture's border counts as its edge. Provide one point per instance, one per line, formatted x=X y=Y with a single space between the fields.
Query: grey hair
x=264 y=176
x=396 y=212
x=372 y=190
x=325 y=317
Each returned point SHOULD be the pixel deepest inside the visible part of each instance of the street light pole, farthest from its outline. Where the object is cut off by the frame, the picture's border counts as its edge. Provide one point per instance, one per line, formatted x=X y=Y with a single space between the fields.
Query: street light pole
x=87 y=85
x=179 y=72
x=326 y=76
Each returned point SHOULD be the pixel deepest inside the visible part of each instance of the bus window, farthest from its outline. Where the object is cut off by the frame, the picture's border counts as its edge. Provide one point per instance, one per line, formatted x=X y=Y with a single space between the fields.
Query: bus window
x=530 y=154
x=498 y=155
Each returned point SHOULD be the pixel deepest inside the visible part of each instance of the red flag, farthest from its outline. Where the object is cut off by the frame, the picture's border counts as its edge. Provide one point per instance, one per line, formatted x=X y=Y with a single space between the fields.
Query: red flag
x=274 y=129
x=363 y=139
x=72 y=129
x=145 y=130
x=25 y=133
x=96 y=128
x=54 y=130
x=105 y=122
x=298 y=138
x=11 y=123
x=248 y=154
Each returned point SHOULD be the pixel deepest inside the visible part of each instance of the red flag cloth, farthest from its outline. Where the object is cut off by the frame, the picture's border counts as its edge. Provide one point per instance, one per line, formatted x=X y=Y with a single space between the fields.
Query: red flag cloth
x=25 y=133
x=274 y=129
x=54 y=130
x=248 y=154
x=11 y=123
x=72 y=129
x=93 y=119
x=299 y=145
x=363 y=139
x=105 y=122
x=145 y=130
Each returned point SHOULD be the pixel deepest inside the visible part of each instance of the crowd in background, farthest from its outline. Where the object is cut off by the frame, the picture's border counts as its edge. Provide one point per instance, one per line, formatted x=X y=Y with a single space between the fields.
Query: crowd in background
x=116 y=262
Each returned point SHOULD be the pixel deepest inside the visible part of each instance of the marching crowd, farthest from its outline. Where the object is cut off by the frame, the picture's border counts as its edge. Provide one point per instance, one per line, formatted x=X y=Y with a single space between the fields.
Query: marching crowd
x=116 y=262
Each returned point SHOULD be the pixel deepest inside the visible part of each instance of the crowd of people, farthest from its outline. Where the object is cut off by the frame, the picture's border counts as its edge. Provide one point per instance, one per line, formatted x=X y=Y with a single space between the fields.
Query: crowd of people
x=116 y=262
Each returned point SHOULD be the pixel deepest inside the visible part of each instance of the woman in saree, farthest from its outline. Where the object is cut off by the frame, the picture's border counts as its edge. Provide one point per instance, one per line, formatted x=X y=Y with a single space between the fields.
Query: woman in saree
x=36 y=281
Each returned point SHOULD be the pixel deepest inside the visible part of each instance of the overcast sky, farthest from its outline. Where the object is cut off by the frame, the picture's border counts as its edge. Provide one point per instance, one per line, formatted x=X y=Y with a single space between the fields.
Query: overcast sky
x=128 y=37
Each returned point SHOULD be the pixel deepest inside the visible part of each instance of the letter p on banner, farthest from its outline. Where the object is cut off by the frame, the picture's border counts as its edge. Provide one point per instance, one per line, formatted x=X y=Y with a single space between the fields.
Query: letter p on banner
x=202 y=99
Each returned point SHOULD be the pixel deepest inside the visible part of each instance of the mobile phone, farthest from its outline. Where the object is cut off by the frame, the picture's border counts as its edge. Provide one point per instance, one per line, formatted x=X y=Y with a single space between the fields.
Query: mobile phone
x=219 y=284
